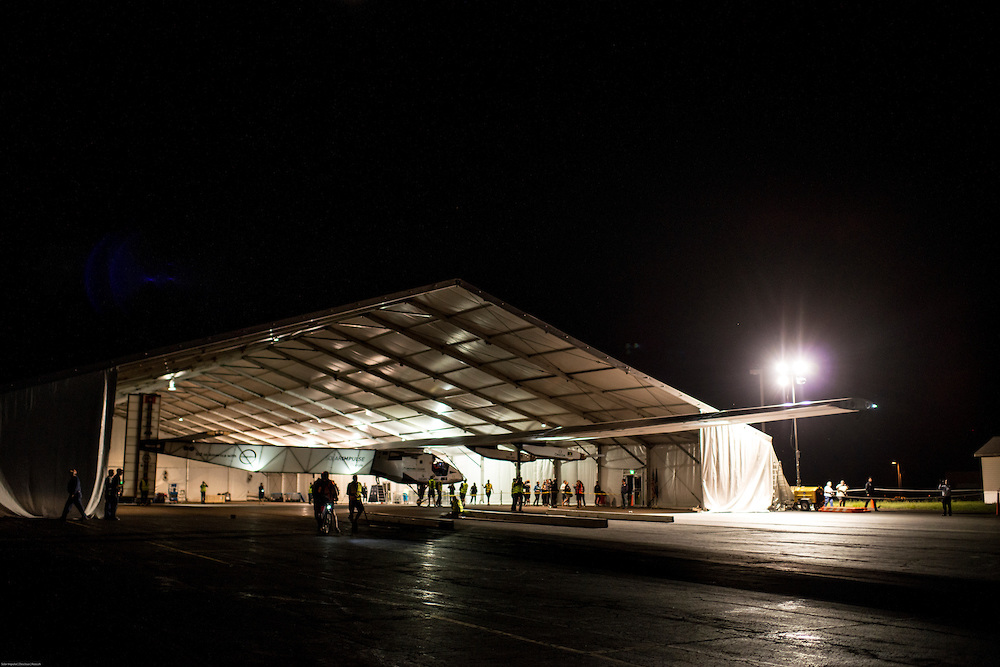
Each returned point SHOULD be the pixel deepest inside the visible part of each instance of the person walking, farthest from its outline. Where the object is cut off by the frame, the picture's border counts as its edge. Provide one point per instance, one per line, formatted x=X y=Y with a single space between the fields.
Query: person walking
x=828 y=494
x=355 y=506
x=75 y=494
x=870 y=492
x=945 y=490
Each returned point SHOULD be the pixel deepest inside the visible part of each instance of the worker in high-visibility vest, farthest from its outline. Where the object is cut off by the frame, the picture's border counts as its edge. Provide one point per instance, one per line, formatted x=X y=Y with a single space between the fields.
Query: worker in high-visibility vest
x=354 y=505
x=462 y=490
x=515 y=492
x=144 y=491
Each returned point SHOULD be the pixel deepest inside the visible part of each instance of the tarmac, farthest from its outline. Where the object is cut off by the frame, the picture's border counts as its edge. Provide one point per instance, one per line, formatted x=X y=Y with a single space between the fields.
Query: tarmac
x=253 y=584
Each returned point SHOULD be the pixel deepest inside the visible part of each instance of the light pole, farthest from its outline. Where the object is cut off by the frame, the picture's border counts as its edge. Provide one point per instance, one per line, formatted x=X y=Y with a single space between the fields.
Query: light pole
x=793 y=375
x=899 y=476
x=759 y=372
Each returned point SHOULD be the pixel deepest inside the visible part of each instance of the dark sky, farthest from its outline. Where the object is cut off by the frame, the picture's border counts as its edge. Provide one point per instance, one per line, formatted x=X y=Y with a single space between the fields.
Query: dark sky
x=717 y=185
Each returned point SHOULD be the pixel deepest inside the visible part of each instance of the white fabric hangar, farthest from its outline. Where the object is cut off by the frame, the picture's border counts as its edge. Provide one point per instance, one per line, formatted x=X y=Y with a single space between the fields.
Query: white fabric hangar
x=424 y=366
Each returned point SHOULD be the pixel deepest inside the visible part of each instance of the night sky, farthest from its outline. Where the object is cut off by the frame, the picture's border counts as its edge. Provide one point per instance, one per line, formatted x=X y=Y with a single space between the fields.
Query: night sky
x=693 y=190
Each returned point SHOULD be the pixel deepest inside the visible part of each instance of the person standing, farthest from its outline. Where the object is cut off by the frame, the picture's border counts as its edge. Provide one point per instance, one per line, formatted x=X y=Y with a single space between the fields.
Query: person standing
x=828 y=494
x=624 y=492
x=111 y=496
x=144 y=491
x=462 y=490
x=842 y=492
x=515 y=493
x=488 y=489
x=75 y=493
x=580 y=500
x=945 y=490
x=538 y=492
x=474 y=490
x=870 y=492
x=204 y=489
x=545 y=493
x=260 y=492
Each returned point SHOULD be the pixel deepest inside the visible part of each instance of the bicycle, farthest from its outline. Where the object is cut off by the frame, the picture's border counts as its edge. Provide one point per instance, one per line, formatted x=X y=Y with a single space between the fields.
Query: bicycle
x=328 y=520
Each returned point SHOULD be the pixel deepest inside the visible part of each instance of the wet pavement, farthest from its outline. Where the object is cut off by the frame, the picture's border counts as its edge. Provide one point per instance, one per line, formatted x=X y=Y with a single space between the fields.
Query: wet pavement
x=243 y=583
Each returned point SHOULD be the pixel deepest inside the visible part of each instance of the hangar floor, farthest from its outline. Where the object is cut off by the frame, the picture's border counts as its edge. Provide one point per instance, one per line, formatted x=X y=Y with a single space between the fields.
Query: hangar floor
x=247 y=583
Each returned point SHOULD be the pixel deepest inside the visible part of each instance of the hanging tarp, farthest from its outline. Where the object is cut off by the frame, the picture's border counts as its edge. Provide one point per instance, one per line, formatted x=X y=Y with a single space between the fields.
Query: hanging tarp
x=737 y=471
x=676 y=477
x=47 y=429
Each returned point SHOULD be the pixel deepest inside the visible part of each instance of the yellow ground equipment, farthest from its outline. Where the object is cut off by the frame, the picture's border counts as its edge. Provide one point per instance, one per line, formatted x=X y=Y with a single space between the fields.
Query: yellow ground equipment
x=808 y=497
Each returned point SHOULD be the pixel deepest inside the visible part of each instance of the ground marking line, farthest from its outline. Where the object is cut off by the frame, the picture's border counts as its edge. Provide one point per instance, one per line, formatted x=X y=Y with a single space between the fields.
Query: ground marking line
x=529 y=640
x=189 y=553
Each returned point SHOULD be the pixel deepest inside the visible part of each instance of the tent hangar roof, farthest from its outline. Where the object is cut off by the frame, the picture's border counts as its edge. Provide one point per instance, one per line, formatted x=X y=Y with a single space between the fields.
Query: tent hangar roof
x=442 y=361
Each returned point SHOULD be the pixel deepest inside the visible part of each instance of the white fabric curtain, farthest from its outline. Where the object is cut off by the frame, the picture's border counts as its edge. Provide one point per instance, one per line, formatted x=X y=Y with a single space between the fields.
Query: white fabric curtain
x=676 y=476
x=47 y=429
x=737 y=470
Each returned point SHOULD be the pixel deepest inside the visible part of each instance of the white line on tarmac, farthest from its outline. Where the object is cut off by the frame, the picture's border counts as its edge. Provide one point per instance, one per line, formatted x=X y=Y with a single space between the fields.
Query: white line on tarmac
x=531 y=641
x=189 y=553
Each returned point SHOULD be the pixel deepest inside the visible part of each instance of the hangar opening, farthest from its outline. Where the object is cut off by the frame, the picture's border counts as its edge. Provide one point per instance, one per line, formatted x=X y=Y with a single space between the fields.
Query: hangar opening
x=444 y=369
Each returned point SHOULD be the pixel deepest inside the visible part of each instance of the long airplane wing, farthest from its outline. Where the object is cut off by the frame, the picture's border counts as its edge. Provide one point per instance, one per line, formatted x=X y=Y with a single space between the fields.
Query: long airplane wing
x=644 y=426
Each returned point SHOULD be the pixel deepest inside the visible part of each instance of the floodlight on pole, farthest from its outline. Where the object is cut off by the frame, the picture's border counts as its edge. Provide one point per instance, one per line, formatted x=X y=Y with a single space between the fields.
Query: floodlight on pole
x=791 y=375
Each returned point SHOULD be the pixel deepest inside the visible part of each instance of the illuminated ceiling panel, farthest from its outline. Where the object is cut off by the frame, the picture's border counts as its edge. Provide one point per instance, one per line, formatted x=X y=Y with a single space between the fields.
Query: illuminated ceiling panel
x=445 y=360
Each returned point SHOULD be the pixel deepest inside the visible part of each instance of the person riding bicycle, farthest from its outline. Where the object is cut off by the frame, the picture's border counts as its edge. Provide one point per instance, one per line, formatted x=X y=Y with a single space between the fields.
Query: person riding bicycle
x=322 y=494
